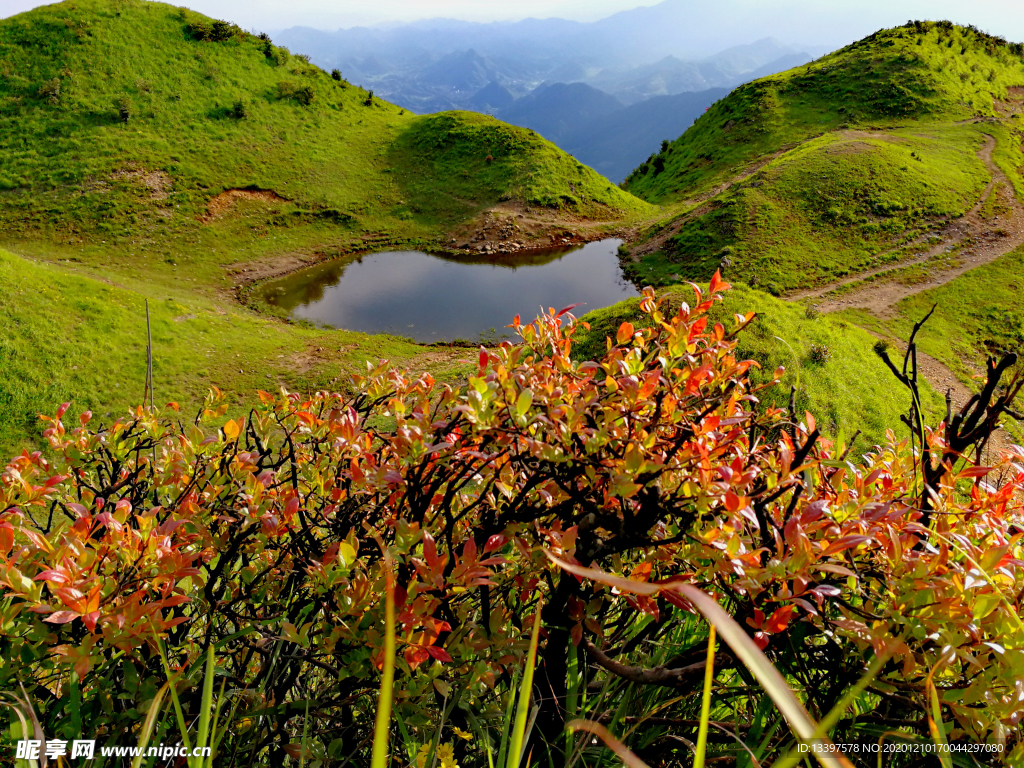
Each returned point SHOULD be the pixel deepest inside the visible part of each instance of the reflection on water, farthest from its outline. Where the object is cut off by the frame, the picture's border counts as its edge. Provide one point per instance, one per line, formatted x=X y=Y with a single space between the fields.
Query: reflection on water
x=436 y=297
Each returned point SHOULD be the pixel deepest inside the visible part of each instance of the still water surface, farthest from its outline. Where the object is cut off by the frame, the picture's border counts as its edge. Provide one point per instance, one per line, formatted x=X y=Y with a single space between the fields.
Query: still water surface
x=439 y=297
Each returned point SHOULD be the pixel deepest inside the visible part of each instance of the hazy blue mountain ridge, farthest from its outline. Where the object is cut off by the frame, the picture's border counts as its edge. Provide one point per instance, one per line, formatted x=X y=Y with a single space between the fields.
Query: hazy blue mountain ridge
x=608 y=92
x=615 y=144
x=558 y=110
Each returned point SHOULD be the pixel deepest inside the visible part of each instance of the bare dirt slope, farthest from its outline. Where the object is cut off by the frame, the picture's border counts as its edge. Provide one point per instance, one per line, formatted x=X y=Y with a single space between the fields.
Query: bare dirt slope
x=512 y=226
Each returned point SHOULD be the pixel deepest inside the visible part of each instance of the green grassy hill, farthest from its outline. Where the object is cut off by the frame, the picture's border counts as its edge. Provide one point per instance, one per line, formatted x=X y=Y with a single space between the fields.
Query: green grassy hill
x=121 y=121
x=837 y=163
x=69 y=336
x=933 y=71
x=148 y=152
x=866 y=159
x=978 y=314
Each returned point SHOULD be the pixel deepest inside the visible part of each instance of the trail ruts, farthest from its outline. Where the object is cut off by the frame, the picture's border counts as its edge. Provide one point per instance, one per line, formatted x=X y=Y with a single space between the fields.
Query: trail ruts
x=982 y=245
x=982 y=240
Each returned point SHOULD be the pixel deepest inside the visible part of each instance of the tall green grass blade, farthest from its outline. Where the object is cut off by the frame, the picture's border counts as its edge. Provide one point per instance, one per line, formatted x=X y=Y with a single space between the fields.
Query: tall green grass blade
x=935 y=715
x=446 y=710
x=572 y=693
x=182 y=726
x=150 y=723
x=506 y=731
x=522 y=712
x=769 y=678
x=624 y=709
x=407 y=739
x=16 y=708
x=481 y=735
x=305 y=731
x=762 y=728
x=829 y=721
x=750 y=753
x=215 y=734
x=382 y=727
x=705 y=702
x=206 y=708
x=746 y=651
x=526 y=734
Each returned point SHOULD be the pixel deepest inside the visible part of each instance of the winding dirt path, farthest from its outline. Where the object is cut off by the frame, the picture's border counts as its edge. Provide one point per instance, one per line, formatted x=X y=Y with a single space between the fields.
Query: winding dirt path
x=698 y=205
x=981 y=239
x=992 y=228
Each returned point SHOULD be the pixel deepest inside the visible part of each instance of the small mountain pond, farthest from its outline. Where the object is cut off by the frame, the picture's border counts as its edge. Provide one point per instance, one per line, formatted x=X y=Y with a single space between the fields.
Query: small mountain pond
x=446 y=297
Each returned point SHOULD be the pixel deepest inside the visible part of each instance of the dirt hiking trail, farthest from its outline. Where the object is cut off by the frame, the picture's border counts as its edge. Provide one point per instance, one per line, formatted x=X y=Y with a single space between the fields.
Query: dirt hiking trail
x=980 y=239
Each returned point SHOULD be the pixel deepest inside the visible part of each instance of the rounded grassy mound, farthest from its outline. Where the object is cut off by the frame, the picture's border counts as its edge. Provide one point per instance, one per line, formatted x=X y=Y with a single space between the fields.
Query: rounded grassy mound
x=135 y=115
x=934 y=71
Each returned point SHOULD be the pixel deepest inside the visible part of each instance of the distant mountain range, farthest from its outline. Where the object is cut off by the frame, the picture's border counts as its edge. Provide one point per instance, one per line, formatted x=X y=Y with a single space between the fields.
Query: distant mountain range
x=598 y=129
x=432 y=66
x=609 y=99
x=679 y=28
x=727 y=69
x=618 y=142
x=558 y=110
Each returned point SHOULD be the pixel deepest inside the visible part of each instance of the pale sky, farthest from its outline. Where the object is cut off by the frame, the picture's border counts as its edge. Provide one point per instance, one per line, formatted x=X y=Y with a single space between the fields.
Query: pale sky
x=334 y=14
x=809 y=21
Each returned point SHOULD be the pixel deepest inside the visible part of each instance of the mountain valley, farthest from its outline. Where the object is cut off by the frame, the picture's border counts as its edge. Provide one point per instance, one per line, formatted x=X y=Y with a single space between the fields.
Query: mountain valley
x=892 y=161
x=523 y=394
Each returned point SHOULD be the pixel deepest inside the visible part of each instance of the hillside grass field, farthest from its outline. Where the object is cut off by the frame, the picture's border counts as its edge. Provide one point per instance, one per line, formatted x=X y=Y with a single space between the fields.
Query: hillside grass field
x=147 y=151
x=976 y=315
x=832 y=168
x=929 y=71
x=202 y=117
x=885 y=163
x=71 y=337
x=835 y=205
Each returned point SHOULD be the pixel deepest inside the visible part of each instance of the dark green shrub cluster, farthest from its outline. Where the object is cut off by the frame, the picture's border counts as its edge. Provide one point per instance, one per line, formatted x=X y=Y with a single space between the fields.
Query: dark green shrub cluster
x=50 y=90
x=277 y=56
x=264 y=44
x=301 y=94
x=123 y=105
x=212 y=32
x=820 y=353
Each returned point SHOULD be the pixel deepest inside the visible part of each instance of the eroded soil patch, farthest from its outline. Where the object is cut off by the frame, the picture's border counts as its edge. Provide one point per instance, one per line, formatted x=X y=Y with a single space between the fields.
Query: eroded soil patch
x=158 y=183
x=512 y=226
x=225 y=201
